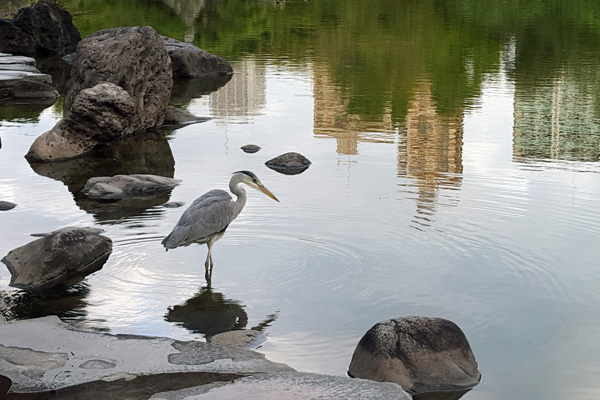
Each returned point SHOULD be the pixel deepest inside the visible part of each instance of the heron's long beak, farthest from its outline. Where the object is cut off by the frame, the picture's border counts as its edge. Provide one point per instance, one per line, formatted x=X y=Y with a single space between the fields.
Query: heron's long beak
x=267 y=192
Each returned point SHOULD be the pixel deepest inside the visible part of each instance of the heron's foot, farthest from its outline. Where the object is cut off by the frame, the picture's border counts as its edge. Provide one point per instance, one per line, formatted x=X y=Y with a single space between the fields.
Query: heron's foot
x=208 y=277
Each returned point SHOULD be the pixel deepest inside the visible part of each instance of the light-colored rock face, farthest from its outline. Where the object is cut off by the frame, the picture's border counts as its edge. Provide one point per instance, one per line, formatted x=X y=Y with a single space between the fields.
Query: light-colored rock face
x=291 y=386
x=103 y=112
x=119 y=186
x=45 y=354
x=61 y=258
x=421 y=354
x=99 y=114
x=247 y=338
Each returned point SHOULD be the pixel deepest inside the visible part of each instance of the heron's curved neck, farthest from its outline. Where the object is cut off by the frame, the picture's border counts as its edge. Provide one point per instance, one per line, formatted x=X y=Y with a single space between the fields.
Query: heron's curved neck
x=237 y=189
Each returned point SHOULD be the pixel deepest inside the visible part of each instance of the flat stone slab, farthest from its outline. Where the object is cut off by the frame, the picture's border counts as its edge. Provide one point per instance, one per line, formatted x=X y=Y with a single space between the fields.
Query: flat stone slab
x=20 y=79
x=10 y=59
x=10 y=77
x=291 y=385
x=247 y=338
x=119 y=186
x=45 y=354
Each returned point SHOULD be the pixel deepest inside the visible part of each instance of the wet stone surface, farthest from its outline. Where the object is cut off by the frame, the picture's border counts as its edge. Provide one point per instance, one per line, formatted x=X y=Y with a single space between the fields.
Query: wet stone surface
x=45 y=358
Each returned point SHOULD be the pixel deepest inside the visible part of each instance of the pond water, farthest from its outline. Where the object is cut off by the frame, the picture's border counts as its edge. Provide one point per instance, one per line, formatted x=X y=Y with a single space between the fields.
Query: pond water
x=456 y=173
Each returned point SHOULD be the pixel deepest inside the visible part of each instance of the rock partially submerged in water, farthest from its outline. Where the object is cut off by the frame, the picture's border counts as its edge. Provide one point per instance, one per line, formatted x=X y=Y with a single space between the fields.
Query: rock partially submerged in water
x=289 y=163
x=6 y=205
x=99 y=115
x=62 y=258
x=420 y=354
x=120 y=85
x=247 y=338
x=173 y=204
x=46 y=358
x=250 y=148
x=175 y=116
x=189 y=61
x=119 y=186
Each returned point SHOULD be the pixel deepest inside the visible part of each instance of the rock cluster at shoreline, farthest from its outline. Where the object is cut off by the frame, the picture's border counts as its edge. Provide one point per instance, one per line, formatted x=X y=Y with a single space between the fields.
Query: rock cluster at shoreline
x=44 y=354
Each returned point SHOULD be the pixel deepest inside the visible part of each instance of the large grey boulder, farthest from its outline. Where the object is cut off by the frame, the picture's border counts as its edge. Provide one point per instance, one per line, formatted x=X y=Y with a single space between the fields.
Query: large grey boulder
x=189 y=61
x=62 y=258
x=421 y=354
x=120 y=85
x=42 y=28
x=120 y=186
x=133 y=58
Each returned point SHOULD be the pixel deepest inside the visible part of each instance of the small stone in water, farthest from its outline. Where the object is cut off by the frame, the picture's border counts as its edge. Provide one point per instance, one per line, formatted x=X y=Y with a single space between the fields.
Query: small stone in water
x=173 y=204
x=6 y=205
x=250 y=148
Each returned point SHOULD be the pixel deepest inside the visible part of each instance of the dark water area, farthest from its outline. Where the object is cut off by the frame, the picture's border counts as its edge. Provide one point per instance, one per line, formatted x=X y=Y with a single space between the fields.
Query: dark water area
x=455 y=173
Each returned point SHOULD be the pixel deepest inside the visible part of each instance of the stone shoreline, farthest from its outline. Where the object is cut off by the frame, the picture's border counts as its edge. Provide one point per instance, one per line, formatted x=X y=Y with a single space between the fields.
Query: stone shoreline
x=46 y=358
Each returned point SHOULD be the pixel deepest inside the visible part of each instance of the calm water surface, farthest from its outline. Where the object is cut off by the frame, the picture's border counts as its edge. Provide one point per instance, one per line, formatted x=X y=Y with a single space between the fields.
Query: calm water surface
x=455 y=174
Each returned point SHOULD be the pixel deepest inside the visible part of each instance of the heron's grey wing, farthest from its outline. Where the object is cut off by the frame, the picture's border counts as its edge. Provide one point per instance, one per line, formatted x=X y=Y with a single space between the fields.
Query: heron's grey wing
x=208 y=214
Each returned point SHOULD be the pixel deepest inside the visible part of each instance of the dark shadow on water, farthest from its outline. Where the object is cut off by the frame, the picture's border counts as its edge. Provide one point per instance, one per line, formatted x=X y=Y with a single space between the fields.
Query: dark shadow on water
x=210 y=313
x=185 y=90
x=138 y=388
x=57 y=68
x=68 y=304
x=449 y=395
x=142 y=154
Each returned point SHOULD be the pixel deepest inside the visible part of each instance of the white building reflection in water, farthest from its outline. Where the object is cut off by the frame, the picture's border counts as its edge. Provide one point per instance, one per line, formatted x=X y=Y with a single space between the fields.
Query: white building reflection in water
x=244 y=95
x=188 y=11
x=429 y=144
x=331 y=118
x=556 y=120
x=430 y=152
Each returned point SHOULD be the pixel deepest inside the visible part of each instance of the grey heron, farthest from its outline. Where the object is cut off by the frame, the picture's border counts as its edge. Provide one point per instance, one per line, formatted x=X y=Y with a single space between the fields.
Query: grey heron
x=207 y=218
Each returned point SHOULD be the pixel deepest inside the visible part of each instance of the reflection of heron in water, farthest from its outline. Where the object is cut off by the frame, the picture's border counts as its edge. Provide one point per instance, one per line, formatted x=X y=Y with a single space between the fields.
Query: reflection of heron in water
x=209 y=215
x=210 y=313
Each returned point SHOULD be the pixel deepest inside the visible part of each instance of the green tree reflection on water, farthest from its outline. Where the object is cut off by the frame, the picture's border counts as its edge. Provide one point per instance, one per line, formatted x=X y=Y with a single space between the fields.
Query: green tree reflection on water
x=378 y=52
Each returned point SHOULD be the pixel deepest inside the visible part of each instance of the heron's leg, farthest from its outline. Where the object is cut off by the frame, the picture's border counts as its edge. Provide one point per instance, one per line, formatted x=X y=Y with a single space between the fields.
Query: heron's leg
x=208 y=264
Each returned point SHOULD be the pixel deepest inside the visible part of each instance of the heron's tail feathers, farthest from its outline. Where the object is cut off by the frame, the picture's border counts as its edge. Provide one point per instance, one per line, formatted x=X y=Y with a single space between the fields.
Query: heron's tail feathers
x=174 y=239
